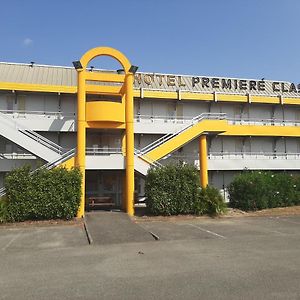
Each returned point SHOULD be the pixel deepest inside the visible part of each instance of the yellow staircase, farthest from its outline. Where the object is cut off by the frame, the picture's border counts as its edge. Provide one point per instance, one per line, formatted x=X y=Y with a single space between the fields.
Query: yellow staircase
x=204 y=123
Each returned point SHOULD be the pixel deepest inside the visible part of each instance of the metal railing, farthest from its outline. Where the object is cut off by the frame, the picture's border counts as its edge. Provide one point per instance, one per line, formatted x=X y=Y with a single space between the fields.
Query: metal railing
x=42 y=140
x=253 y=155
x=234 y=121
x=163 y=119
x=102 y=151
x=235 y=155
x=255 y=121
x=145 y=158
x=193 y=121
x=15 y=155
x=44 y=114
x=31 y=134
x=64 y=157
x=50 y=165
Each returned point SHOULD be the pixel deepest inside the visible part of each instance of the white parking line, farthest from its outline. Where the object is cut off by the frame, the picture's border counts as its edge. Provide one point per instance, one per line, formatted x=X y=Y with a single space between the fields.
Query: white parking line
x=11 y=241
x=207 y=231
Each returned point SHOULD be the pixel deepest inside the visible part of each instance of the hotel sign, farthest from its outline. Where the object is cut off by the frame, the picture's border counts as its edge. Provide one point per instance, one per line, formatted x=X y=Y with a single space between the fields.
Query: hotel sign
x=217 y=84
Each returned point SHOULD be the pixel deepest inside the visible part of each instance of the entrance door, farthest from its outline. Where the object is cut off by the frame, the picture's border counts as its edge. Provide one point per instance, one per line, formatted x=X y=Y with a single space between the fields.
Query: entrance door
x=104 y=189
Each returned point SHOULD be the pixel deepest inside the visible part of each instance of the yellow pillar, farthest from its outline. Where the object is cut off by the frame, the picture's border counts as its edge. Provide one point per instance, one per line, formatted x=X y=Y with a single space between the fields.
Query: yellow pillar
x=124 y=198
x=203 y=161
x=81 y=136
x=129 y=145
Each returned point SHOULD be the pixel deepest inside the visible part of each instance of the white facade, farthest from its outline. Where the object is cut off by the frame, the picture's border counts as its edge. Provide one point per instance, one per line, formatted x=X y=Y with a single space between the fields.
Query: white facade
x=53 y=116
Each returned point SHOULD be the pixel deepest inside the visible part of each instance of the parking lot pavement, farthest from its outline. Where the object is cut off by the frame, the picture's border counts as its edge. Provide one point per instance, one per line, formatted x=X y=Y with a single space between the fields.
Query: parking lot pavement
x=29 y=237
x=223 y=228
x=227 y=258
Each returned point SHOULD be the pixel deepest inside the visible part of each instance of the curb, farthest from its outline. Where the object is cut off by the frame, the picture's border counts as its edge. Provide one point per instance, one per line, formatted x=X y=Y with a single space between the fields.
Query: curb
x=88 y=235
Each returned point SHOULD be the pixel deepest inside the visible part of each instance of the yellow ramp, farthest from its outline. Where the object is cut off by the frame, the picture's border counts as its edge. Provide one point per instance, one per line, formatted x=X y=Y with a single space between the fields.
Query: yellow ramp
x=211 y=126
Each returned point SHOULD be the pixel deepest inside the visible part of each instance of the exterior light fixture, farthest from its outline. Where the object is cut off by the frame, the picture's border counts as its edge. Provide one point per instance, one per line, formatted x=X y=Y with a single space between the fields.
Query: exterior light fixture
x=77 y=64
x=120 y=71
x=91 y=68
x=133 y=69
x=31 y=64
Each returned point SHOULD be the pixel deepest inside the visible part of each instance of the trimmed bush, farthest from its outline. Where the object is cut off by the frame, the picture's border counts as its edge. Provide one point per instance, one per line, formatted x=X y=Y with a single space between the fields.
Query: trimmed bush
x=44 y=194
x=211 y=201
x=259 y=190
x=3 y=210
x=174 y=189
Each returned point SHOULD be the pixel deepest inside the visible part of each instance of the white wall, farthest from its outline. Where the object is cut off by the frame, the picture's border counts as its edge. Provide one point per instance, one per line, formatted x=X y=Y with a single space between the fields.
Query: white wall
x=146 y=139
x=146 y=107
x=68 y=104
x=292 y=145
x=52 y=136
x=260 y=111
x=192 y=109
x=291 y=113
x=68 y=140
x=278 y=112
x=262 y=144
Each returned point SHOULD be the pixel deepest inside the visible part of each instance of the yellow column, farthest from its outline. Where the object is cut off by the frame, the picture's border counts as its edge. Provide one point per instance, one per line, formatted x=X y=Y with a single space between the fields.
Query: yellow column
x=81 y=137
x=129 y=145
x=203 y=161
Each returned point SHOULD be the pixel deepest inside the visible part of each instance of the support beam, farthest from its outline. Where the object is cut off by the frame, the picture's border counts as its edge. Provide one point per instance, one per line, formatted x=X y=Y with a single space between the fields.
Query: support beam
x=203 y=161
x=81 y=138
x=129 y=145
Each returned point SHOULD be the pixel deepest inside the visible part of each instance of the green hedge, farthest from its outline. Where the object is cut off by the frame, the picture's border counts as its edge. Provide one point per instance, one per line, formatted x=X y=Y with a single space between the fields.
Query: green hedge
x=174 y=189
x=44 y=194
x=255 y=190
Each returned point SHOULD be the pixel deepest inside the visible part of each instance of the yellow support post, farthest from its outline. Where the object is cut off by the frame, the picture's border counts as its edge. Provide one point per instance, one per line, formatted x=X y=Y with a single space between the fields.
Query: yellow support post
x=81 y=137
x=203 y=161
x=129 y=145
x=91 y=117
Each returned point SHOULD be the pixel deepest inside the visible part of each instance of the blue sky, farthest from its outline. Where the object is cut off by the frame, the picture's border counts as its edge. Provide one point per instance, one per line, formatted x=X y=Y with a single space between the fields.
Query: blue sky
x=234 y=38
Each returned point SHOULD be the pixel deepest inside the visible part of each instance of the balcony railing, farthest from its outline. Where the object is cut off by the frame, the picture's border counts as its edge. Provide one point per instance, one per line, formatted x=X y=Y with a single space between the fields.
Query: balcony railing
x=38 y=114
x=152 y=118
x=235 y=155
x=253 y=155
x=17 y=156
x=268 y=122
x=233 y=121
x=103 y=151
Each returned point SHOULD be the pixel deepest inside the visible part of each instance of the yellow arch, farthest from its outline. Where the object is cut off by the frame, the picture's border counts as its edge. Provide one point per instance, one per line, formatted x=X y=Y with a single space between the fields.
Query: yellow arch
x=105 y=51
x=126 y=92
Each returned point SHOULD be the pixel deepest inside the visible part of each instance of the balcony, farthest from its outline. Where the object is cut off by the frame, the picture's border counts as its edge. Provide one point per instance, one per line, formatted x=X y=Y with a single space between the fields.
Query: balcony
x=229 y=161
x=104 y=159
x=43 y=120
x=105 y=111
x=165 y=124
x=10 y=161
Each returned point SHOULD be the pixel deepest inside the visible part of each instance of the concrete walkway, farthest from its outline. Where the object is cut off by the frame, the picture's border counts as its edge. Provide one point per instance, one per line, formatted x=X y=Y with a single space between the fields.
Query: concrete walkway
x=108 y=227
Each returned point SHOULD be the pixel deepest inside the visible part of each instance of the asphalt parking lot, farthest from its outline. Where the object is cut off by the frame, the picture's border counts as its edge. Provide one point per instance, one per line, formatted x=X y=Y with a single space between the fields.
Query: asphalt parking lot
x=228 y=258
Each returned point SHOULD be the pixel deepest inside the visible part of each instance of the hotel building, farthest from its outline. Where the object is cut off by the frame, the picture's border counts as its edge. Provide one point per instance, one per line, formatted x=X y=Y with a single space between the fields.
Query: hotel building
x=115 y=125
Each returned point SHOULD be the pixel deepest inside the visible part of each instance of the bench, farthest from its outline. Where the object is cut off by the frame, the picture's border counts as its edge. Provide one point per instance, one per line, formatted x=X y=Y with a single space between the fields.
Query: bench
x=99 y=201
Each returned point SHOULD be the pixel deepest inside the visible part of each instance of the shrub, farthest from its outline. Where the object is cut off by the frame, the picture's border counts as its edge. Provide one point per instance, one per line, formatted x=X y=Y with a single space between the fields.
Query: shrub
x=257 y=190
x=44 y=194
x=3 y=210
x=296 y=187
x=174 y=189
x=211 y=201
